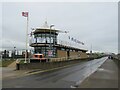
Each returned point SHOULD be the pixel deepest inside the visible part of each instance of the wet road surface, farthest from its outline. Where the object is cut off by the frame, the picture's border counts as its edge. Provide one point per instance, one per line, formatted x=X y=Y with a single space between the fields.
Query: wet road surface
x=62 y=78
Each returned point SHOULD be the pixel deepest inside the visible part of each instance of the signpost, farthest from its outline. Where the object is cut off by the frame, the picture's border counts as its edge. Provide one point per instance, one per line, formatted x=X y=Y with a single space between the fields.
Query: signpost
x=50 y=53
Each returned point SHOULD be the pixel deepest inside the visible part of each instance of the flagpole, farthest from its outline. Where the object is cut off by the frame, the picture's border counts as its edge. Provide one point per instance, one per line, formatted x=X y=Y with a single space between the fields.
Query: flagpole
x=26 y=40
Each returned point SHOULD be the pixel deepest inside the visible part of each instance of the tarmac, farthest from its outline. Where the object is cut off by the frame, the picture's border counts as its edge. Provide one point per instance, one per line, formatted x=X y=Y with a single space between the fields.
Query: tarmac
x=106 y=76
x=12 y=73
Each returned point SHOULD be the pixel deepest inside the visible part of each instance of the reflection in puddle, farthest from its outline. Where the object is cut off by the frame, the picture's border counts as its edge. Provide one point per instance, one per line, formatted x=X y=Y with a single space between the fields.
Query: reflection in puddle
x=101 y=69
x=105 y=70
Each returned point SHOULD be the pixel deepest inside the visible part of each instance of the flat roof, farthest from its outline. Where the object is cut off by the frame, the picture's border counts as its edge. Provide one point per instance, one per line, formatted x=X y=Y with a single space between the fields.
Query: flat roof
x=37 y=30
x=43 y=30
x=57 y=45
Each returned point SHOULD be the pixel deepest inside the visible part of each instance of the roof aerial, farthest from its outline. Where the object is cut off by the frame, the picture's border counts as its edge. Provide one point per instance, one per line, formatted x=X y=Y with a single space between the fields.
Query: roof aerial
x=46 y=26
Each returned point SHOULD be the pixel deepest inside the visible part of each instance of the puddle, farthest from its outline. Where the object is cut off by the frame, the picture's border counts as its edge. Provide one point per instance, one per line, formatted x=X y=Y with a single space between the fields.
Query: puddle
x=101 y=69
x=104 y=70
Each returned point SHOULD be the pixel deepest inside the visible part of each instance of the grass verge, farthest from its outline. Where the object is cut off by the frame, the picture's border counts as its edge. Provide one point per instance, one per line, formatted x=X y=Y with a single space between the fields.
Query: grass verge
x=5 y=63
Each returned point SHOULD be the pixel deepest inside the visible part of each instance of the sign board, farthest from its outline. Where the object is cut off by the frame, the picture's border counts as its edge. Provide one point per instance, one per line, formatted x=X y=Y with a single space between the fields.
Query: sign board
x=50 y=53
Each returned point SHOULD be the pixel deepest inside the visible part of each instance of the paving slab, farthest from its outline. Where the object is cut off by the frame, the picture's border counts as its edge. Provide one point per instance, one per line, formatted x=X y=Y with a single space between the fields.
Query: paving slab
x=106 y=76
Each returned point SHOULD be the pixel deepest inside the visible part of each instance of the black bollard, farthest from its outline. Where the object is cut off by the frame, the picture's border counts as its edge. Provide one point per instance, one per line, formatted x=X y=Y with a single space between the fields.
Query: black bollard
x=17 y=66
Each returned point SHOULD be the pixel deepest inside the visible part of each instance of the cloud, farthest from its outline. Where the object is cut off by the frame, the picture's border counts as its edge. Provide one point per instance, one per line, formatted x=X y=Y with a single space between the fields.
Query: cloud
x=92 y=23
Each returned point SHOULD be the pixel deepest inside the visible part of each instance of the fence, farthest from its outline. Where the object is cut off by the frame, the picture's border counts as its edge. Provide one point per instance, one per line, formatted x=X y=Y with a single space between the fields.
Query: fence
x=13 y=54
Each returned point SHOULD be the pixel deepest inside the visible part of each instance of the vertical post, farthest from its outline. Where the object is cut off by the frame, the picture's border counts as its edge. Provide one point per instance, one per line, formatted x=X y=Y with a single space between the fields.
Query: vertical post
x=91 y=56
x=50 y=37
x=54 y=44
x=45 y=43
x=50 y=41
x=14 y=53
x=26 y=41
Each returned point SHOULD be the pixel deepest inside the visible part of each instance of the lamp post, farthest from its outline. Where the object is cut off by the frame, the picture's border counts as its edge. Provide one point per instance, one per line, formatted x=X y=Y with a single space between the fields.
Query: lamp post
x=50 y=35
x=13 y=48
x=14 y=52
x=91 y=56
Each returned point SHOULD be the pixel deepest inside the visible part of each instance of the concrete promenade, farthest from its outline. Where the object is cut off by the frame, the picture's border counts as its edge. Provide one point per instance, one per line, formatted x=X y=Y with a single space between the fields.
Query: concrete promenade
x=106 y=76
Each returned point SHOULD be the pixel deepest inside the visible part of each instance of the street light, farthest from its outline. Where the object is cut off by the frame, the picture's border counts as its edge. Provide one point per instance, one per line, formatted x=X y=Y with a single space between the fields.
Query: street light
x=91 y=56
x=50 y=35
x=14 y=52
x=13 y=46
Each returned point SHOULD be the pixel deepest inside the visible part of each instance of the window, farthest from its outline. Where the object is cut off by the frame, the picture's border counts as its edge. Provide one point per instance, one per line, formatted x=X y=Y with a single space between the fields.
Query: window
x=40 y=56
x=36 y=56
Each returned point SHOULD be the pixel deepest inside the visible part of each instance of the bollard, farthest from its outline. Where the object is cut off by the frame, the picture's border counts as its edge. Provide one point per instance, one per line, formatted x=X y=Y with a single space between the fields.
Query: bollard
x=17 y=64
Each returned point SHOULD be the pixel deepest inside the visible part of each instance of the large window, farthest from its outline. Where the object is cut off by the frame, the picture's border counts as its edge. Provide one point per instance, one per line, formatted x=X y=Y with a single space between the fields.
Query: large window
x=46 y=50
x=45 y=38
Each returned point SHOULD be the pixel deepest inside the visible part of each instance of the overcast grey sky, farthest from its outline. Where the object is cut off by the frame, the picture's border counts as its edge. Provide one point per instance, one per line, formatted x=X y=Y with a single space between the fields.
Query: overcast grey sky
x=93 y=23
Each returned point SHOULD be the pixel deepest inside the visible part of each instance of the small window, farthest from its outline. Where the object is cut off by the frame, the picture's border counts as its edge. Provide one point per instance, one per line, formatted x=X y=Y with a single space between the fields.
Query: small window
x=36 y=56
x=40 y=56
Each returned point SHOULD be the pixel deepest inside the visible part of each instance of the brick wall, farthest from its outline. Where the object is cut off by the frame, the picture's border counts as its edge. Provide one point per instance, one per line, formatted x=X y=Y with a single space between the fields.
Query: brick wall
x=74 y=54
x=83 y=55
x=61 y=53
